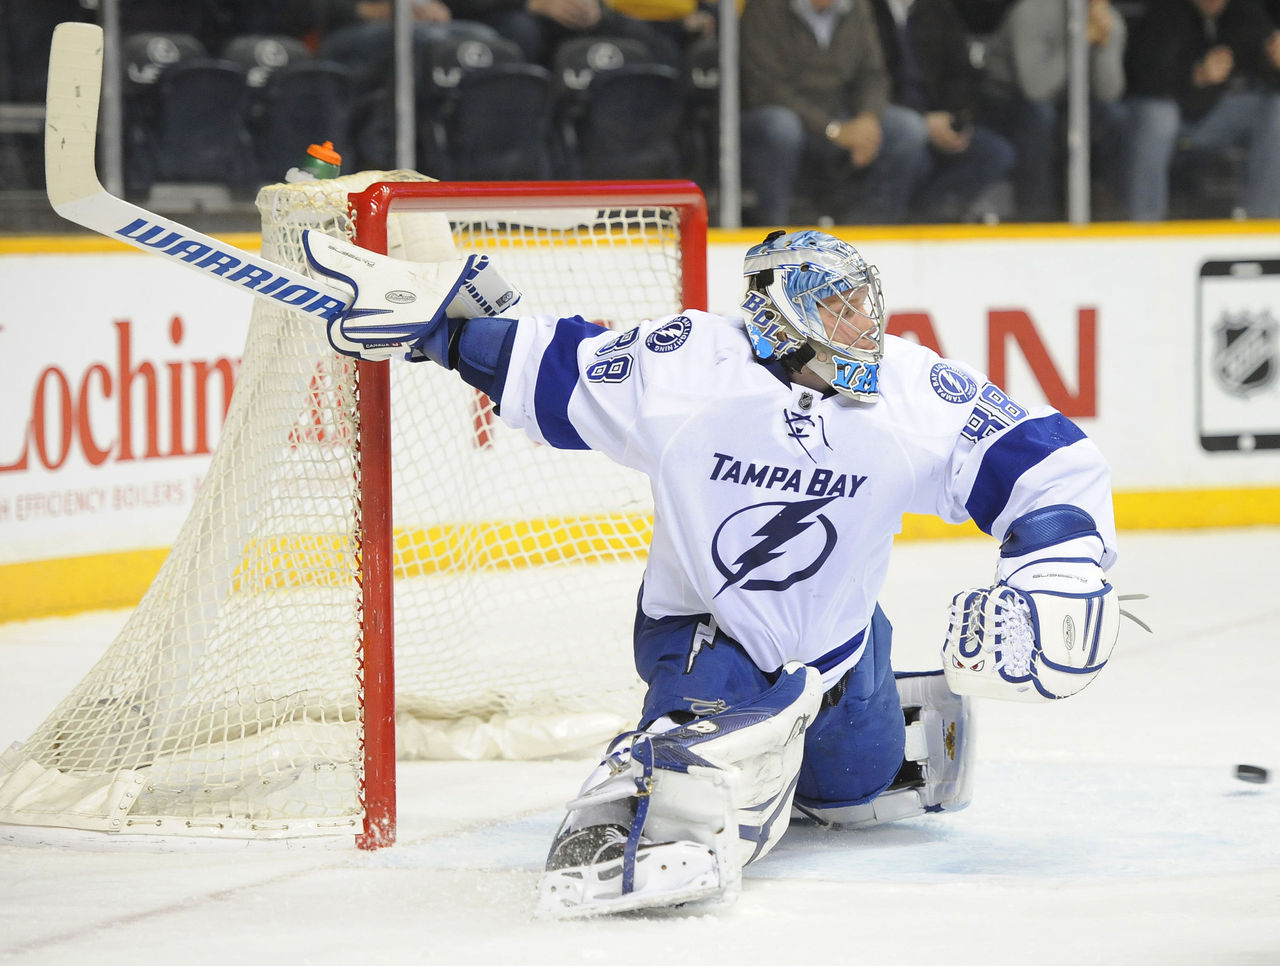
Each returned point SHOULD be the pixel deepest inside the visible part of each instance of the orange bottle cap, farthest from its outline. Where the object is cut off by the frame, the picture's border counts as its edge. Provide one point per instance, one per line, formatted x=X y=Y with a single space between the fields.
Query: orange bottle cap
x=326 y=153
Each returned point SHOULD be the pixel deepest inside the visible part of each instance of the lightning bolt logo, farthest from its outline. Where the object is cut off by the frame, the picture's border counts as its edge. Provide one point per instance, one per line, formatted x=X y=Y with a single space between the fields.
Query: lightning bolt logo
x=783 y=525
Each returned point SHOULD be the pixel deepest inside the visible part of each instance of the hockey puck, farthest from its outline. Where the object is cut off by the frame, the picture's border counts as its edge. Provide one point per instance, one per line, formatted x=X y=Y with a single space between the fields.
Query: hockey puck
x=1252 y=773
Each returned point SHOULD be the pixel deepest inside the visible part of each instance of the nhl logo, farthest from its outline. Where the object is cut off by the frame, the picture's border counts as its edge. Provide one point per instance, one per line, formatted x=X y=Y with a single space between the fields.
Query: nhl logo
x=1244 y=351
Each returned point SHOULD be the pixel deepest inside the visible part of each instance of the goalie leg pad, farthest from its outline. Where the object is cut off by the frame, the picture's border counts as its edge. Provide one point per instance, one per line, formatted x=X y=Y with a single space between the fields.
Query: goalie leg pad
x=936 y=770
x=714 y=794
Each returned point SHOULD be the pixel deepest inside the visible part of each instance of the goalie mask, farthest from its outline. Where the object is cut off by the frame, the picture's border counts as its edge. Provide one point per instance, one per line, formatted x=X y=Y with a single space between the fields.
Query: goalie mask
x=812 y=300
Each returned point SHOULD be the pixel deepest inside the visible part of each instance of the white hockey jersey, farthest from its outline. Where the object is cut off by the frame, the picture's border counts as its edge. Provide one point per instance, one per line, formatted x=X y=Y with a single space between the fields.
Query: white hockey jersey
x=776 y=506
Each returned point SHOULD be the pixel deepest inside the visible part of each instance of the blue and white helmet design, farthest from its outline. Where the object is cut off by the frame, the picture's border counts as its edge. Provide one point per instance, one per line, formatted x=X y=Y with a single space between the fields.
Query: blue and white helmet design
x=812 y=300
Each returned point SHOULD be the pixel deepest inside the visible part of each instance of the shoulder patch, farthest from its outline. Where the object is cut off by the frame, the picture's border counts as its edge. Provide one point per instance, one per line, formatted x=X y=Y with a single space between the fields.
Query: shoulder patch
x=669 y=336
x=951 y=384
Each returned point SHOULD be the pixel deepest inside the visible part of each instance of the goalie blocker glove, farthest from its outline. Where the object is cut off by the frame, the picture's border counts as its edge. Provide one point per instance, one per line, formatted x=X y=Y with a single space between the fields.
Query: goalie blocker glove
x=1048 y=625
x=405 y=310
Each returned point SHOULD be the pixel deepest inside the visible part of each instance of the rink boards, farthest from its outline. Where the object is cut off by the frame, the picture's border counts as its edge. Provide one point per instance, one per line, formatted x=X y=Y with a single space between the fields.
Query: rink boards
x=1160 y=341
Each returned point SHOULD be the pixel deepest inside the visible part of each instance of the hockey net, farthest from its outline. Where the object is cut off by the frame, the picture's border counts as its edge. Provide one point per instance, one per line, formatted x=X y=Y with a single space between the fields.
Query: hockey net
x=249 y=694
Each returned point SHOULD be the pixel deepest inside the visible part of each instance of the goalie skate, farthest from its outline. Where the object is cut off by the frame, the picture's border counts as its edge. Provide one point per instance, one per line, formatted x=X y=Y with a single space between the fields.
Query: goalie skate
x=585 y=873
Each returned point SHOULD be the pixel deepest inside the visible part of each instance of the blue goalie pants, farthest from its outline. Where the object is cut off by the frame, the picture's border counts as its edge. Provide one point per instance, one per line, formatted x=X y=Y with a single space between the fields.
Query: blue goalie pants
x=854 y=748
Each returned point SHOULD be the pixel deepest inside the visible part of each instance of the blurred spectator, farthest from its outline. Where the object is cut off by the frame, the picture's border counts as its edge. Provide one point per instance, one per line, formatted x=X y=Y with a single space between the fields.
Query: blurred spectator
x=927 y=54
x=981 y=16
x=540 y=26
x=1203 y=77
x=1025 y=90
x=683 y=21
x=212 y=22
x=358 y=33
x=815 y=99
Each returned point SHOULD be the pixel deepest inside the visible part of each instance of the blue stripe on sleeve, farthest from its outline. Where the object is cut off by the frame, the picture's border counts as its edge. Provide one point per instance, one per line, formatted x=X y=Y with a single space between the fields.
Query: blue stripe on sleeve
x=1021 y=448
x=556 y=380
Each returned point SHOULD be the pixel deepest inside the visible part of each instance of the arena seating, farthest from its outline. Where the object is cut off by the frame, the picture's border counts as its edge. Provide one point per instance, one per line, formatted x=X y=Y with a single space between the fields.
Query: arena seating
x=619 y=112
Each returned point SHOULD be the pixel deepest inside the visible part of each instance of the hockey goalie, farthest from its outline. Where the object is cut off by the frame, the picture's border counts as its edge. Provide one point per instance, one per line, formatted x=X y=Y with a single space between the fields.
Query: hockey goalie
x=783 y=446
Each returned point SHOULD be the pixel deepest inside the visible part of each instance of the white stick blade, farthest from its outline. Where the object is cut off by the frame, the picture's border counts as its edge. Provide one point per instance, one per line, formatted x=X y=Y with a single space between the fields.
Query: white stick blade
x=71 y=112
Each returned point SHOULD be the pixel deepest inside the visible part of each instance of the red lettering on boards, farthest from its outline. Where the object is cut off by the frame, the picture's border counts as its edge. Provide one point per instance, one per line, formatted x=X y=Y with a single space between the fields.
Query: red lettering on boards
x=60 y=419
x=1016 y=325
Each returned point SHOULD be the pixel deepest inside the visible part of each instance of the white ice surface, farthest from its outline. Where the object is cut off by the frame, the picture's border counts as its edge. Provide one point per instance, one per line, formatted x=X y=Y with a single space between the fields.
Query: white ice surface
x=1105 y=829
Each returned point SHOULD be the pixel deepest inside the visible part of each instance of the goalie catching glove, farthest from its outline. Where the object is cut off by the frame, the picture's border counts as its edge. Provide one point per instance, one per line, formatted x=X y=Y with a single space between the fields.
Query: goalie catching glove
x=1048 y=626
x=402 y=310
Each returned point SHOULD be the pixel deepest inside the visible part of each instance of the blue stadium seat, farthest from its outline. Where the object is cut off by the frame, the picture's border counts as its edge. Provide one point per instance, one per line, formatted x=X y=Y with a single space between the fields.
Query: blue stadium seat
x=283 y=115
x=374 y=132
x=449 y=59
x=497 y=127
x=619 y=112
x=303 y=102
x=486 y=113
x=440 y=62
x=146 y=57
x=199 y=132
x=262 y=54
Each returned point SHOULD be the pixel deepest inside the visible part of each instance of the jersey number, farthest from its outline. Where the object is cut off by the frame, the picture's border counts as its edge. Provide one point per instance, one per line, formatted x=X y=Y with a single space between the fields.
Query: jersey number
x=992 y=412
x=610 y=370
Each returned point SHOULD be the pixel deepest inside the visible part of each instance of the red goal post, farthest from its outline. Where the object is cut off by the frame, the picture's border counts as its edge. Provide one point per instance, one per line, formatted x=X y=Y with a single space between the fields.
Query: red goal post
x=371 y=209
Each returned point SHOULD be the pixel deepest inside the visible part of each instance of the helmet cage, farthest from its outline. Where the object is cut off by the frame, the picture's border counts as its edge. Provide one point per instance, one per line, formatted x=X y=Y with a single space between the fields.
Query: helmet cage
x=814 y=301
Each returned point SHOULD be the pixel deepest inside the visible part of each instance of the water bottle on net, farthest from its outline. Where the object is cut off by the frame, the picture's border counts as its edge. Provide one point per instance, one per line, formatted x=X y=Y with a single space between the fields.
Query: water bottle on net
x=320 y=162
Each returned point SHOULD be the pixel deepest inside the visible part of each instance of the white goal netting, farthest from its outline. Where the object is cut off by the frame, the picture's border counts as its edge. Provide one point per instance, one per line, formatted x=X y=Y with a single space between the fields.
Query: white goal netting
x=232 y=701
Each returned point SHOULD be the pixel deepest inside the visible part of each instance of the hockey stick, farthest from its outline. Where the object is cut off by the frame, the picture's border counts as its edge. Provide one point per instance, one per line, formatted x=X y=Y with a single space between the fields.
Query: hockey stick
x=71 y=131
